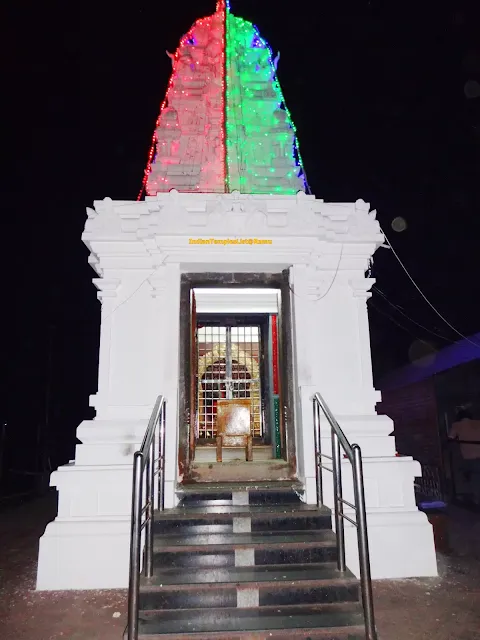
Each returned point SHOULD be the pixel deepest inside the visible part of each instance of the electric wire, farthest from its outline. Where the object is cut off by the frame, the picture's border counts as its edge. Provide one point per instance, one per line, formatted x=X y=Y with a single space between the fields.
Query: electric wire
x=372 y=305
x=424 y=296
x=400 y=310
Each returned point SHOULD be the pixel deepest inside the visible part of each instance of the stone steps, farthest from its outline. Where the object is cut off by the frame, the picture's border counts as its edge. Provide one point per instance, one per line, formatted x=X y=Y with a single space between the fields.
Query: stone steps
x=311 y=584
x=227 y=519
x=335 y=622
x=250 y=563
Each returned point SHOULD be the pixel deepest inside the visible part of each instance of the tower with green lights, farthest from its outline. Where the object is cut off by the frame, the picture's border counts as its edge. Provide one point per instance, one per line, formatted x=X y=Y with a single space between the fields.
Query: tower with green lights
x=224 y=125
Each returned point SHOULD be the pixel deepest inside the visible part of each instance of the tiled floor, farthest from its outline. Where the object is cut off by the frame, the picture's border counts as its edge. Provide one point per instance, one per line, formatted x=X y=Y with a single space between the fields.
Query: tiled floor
x=445 y=608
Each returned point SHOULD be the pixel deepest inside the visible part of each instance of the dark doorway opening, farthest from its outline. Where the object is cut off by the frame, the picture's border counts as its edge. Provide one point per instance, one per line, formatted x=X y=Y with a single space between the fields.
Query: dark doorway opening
x=232 y=354
x=229 y=356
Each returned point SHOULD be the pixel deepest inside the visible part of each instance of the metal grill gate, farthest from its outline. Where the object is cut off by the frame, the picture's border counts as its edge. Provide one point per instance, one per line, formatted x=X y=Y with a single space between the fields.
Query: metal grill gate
x=227 y=367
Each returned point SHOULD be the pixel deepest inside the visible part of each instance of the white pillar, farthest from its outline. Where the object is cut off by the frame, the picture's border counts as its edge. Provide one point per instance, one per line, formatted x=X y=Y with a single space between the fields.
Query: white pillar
x=168 y=328
x=86 y=547
x=332 y=343
x=303 y=335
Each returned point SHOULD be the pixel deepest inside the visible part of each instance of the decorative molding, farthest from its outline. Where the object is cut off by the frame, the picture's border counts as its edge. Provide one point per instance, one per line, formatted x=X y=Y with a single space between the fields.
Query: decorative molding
x=361 y=287
x=320 y=282
x=122 y=230
x=106 y=288
x=158 y=256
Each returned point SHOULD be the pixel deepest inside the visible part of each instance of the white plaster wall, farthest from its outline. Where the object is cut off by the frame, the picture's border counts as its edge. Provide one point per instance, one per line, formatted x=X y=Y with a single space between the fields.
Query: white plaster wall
x=139 y=250
x=133 y=379
x=330 y=335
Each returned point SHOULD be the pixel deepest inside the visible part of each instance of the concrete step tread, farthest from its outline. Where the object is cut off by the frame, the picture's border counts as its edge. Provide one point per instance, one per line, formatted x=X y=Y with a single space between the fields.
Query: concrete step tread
x=257 y=576
x=267 y=539
x=289 y=620
x=241 y=511
x=261 y=485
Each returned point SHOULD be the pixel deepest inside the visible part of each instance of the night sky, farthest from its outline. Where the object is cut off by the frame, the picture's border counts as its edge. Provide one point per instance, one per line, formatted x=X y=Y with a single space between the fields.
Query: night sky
x=387 y=107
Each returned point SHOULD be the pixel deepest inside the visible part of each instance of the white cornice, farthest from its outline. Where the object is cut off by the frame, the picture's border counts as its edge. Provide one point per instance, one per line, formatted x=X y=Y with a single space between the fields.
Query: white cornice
x=300 y=227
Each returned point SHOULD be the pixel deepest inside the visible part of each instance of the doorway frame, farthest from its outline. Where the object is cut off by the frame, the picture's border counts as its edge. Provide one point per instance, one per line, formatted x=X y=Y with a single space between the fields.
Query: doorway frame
x=261 y=321
x=280 y=281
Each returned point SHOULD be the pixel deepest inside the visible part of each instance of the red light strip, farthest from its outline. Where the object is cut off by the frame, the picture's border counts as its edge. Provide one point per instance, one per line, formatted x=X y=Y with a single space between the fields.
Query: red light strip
x=220 y=8
x=153 y=146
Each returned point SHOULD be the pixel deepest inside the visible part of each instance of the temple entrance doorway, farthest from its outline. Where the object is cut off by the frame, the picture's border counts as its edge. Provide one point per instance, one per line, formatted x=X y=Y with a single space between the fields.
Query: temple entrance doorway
x=237 y=398
x=230 y=368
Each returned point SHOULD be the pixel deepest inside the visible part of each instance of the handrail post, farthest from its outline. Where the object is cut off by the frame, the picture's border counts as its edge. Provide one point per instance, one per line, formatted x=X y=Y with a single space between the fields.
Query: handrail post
x=136 y=530
x=338 y=498
x=363 y=550
x=150 y=474
x=161 y=459
x=318 y=452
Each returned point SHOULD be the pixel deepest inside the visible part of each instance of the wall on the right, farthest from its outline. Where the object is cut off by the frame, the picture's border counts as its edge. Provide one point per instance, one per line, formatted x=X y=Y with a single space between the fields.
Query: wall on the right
x=459 y=386
x=413 y=409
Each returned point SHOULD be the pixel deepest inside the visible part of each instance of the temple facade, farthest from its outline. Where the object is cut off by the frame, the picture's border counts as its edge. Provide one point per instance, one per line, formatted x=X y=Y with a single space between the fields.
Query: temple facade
x=229 y=281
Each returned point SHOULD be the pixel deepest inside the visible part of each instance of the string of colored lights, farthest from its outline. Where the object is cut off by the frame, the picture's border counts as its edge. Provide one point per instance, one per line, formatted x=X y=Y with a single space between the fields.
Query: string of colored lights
x=153 y=146
x=194 y=160
x=254 y=147
x=202 y=182
x=237 y=148
x=229 y=121
x=224 y=9
x=283 y=104
x=260 y=146
x=290 y=120
x=189 y=157
x=206 y=168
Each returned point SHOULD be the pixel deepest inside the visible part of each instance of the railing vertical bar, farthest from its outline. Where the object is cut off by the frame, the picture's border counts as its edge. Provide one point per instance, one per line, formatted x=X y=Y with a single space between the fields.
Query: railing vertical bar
x=318 y=453
x=363 y=550
x=134 y=578
x=338 y=494
x=161 y=461
x=149 y=475
x=158 y=453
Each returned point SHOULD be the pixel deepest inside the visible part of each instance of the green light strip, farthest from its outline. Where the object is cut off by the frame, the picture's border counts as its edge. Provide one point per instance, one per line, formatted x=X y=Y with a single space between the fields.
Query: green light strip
x=260 y=136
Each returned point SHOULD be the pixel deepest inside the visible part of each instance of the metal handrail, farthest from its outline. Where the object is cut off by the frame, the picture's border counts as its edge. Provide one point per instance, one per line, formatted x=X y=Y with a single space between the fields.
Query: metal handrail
x=145 y=467
x=354 y=455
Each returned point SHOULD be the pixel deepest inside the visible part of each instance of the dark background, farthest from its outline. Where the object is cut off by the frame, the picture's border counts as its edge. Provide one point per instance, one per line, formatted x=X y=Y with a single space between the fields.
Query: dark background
x=379 y=96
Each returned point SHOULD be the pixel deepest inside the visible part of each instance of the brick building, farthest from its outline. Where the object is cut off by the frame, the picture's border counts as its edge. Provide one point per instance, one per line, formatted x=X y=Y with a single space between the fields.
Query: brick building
x=423 y=399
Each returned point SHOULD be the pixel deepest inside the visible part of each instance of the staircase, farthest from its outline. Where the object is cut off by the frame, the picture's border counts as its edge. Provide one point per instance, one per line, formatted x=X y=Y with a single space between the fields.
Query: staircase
x=250 y=562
